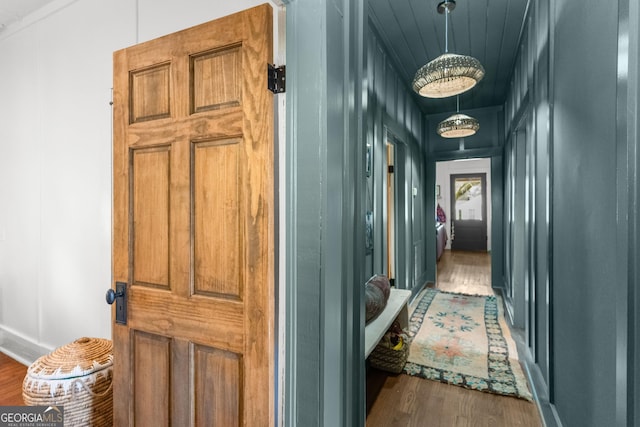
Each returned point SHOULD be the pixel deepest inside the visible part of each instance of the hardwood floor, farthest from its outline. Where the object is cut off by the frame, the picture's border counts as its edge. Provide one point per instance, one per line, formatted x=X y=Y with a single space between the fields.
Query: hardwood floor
x=465 y=272
x=403 y=400
x=12 y=374
x=398 y=400
x=414 y=402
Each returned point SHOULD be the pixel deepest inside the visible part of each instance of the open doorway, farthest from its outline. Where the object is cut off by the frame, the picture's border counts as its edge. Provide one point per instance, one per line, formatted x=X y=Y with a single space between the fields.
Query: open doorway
x=398 y=259
x=391 y=213
x=463 y=215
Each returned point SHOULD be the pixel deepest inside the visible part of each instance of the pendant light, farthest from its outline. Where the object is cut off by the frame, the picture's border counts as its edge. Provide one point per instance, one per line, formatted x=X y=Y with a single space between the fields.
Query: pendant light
x=449 y=74
x=458 y=125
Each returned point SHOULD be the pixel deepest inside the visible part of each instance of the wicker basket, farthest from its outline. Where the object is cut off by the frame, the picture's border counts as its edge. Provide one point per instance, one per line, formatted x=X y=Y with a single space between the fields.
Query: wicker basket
x=390 y=359
x=77 y=376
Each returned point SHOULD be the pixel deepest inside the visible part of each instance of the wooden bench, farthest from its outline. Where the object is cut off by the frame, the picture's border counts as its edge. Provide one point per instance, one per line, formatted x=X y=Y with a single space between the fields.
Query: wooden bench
x=396 y=308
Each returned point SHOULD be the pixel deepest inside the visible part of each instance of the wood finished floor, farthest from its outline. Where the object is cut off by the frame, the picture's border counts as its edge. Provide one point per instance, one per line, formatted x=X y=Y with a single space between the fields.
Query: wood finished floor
x=11 y=376
x=398 y=400
x=403 y=400
x=465 y=272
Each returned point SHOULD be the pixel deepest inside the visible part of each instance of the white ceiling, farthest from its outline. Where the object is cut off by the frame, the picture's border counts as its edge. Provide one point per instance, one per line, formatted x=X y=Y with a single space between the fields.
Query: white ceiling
x=12 y=11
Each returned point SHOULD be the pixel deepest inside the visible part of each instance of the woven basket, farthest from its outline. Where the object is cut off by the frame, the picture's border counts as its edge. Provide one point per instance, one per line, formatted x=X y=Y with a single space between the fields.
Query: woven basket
x=77 y=376
x=389 y=359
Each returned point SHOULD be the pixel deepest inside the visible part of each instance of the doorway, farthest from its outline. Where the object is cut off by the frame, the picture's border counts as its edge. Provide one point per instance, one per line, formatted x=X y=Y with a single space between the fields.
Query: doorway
x=469 y=208
x=468 y=223
x=391 y=213
x=398 y=259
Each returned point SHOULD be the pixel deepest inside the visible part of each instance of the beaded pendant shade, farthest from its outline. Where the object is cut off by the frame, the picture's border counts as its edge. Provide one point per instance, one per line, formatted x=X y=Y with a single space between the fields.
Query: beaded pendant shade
x=458 y=126
x=449 y=74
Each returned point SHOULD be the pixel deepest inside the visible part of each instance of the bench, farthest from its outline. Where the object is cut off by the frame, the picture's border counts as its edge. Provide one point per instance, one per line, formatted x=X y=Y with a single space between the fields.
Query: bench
x=396 y=308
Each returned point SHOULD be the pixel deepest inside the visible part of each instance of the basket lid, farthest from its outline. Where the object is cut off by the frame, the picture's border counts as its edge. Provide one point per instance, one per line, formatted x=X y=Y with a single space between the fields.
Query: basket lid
x=80 y=358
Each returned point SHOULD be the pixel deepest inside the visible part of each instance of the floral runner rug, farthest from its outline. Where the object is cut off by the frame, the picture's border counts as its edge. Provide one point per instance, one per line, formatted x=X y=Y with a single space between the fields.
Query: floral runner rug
x=464 y=340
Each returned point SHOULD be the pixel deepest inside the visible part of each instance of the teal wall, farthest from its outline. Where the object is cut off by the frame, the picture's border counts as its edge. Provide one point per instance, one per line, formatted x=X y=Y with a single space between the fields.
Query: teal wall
x=393 y=115
x=342 y=94
x=574 y=95
x=574 y=98
x=324 y=193
x=584 y=263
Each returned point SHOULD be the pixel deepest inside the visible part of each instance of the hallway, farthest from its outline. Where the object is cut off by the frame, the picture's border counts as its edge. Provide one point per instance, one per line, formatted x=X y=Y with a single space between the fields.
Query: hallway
x=402 y=400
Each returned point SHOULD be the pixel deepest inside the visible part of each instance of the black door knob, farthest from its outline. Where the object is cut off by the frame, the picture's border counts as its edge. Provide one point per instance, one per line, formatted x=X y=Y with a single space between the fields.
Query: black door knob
x=119 y=296
x=112 y=295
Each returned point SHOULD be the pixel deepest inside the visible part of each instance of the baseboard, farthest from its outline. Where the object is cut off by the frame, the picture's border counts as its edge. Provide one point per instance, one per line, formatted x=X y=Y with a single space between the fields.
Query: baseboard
x=539 y=389
x=19 y=347
x=546 y=409
x=508 y=305
x=417 y=289
x=553 y=420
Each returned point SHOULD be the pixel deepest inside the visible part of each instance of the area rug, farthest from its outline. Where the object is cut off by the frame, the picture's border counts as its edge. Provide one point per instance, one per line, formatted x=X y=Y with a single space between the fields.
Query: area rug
x=464 y=340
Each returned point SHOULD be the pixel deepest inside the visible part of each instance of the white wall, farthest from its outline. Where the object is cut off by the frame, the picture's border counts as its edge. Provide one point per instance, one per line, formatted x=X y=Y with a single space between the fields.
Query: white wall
x=443 y=172
x=55 y=161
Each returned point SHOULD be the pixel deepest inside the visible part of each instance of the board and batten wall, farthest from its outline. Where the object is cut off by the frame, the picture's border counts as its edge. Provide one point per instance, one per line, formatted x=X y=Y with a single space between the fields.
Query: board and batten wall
x=393 y=116
x=55 y=161
x=574 y=97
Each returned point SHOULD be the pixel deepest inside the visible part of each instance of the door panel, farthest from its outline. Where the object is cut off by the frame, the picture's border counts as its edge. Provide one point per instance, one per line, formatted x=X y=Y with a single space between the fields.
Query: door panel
x=193 y=226
x=215 y=371
x=217 y=217
x=469 y=201
x=150 y=176
x=151 y=380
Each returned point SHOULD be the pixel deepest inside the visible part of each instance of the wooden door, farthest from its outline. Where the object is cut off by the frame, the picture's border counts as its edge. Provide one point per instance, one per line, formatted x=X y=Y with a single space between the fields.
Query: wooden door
x=469 y=209
x=193 y=226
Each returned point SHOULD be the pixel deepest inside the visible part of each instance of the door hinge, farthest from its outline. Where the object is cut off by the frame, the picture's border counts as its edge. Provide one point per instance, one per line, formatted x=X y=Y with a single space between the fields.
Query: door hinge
x=390 y=169
x=276 y=78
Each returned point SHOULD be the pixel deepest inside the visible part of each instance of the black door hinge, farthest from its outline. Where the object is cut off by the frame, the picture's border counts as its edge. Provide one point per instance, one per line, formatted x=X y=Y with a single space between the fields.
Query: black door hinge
x=276 y=78
x=390 y=169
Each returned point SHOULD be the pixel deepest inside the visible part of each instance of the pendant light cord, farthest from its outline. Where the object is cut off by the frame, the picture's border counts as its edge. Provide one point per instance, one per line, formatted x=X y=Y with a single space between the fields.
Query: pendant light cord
x=446 y=30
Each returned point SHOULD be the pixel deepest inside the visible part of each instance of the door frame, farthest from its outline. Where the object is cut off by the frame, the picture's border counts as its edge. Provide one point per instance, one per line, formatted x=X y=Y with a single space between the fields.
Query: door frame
x=391 y=209
x=403 y=207
x=325 y=213
x=497 y=202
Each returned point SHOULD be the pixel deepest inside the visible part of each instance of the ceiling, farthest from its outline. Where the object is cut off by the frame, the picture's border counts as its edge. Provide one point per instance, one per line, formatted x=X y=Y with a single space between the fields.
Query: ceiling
x=12 y=11
x=414 y=33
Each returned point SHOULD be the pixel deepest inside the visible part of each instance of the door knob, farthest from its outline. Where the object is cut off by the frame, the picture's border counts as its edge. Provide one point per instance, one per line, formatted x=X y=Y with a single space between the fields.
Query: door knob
x=119 y=296
x=112 y=295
